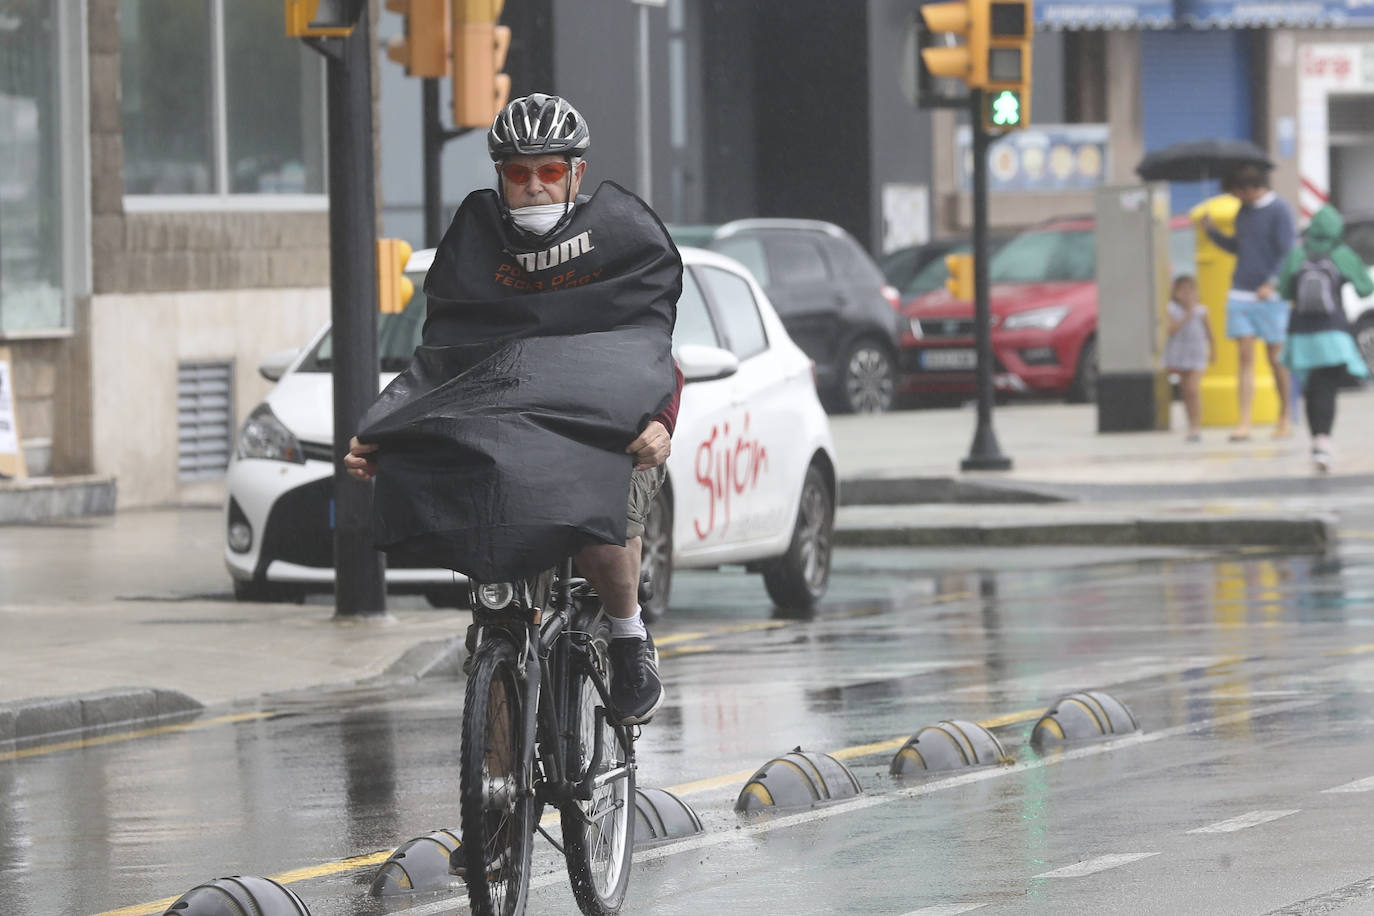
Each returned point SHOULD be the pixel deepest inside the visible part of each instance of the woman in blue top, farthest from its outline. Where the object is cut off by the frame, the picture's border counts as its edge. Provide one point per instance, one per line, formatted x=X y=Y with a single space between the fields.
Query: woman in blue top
x=1320 y=348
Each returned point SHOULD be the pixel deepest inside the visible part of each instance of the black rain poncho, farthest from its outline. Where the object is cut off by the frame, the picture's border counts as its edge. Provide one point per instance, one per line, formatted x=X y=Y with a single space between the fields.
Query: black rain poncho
x=503 y=443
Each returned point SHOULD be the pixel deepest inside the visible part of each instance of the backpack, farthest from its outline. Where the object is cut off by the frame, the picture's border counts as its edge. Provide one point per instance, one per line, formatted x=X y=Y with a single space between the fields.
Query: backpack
x=1317 y=288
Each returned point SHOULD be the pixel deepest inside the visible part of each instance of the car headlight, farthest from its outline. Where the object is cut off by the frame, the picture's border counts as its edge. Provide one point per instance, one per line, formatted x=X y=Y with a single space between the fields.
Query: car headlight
x=916 y=331
x=495 y=595
x=1046 y=319
x=264 y=436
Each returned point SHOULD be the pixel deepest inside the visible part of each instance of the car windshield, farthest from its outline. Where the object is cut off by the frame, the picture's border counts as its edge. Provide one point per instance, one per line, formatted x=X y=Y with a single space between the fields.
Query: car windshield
x=1041 y=256
x=397 y=337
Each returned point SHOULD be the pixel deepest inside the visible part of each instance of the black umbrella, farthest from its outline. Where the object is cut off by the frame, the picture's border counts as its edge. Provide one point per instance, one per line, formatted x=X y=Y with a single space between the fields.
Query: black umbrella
x=1199 y=160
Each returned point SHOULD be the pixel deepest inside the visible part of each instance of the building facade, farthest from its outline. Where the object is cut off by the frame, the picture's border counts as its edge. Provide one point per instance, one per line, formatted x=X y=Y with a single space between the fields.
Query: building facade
x=164 y=222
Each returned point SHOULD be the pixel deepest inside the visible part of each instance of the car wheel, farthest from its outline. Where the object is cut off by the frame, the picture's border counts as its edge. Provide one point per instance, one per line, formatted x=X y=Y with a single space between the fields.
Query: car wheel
x=656 y=558
x=1364 y=339
x=868 y=379
x=798 y=579
x=1084 y=387
x=253 y=590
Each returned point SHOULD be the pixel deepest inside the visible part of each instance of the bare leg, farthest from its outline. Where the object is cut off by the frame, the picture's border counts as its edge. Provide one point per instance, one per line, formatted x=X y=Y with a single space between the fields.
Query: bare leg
x=1245 y=384
x=1191 y=384
x=614 y=572
x=1284 y=382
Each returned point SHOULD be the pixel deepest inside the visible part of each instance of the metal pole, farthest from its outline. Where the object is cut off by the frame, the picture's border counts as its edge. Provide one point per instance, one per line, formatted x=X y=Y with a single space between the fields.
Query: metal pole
x=645 y=138
x=984 y=454
x=359 y=569
x=433 y=140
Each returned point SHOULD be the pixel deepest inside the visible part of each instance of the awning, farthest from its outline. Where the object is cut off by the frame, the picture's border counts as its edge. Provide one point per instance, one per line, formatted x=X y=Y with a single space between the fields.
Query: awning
x=1205 y=14
x=1105 y=14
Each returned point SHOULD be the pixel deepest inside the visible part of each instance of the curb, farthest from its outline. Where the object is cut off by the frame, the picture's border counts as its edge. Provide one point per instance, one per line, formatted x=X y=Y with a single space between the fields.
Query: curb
x=432 y=658
x=43 y=717
x=887 y=491
x=1303 y=533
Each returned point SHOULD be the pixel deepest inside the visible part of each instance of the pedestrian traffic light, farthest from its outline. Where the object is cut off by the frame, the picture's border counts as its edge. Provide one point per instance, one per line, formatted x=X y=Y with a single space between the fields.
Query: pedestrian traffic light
x=983 y=43
x=1004 y=109
x=322 y=18
x=394 y=288
x=424 y=48
x=480 y=89
x=960 y=279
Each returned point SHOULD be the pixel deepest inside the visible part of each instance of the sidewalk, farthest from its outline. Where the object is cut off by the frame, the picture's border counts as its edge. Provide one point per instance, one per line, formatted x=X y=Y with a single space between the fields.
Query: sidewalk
x=97 y=611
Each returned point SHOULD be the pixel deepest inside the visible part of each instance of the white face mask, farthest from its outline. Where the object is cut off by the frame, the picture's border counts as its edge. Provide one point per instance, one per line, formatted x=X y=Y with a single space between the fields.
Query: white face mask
x=540 y=218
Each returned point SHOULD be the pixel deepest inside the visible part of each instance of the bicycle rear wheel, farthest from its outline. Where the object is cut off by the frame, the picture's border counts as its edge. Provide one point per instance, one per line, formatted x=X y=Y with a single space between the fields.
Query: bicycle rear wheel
x=598 y=834
x=497 y=807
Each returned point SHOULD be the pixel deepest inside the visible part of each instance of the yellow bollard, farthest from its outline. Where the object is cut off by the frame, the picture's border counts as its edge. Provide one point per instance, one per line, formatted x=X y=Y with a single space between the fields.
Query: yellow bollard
x=1214 y=266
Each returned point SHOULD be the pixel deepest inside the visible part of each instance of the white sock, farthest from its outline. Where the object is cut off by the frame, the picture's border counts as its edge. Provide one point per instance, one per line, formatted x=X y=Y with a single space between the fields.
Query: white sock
x=628 y=627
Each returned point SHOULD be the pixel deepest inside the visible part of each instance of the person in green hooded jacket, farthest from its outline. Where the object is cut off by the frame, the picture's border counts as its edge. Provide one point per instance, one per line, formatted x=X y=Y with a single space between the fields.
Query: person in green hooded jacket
x=1320 y=349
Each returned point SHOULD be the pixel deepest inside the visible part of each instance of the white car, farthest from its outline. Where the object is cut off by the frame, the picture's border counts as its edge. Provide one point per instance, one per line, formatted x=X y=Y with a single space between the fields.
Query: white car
x=752 y=478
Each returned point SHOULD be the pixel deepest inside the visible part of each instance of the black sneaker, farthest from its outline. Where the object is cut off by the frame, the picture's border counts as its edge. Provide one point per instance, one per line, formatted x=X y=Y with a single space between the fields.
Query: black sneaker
x=636 y=691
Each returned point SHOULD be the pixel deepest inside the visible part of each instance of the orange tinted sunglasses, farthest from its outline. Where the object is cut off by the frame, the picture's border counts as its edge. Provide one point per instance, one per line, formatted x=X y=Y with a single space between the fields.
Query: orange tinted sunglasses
x=549 y=172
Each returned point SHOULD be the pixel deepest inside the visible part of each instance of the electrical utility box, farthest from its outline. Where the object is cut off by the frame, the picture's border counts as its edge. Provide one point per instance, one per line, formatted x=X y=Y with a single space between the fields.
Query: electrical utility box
x=1133 y=276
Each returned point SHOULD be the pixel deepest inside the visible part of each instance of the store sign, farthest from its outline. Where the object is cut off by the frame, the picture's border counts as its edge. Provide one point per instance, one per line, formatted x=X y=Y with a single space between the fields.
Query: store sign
x=1051 y=157
x=1340 y=68
x=1105 y=14
x=1274 y=13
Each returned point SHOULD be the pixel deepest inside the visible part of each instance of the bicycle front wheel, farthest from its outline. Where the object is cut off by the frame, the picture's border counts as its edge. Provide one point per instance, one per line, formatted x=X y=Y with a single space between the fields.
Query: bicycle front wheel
x=496 y=804
x=598 y=834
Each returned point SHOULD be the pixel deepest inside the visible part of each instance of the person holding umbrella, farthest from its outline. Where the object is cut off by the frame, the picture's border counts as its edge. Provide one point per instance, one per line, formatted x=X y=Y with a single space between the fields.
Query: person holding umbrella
x=1264 y=235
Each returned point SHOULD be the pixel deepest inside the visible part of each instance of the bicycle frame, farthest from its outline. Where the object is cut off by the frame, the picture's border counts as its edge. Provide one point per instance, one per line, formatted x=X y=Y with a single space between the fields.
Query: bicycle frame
x=551 y=655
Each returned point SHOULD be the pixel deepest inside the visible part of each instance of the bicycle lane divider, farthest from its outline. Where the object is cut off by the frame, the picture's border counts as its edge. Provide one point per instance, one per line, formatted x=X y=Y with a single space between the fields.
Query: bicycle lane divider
x=746 y=832
x=113 y=738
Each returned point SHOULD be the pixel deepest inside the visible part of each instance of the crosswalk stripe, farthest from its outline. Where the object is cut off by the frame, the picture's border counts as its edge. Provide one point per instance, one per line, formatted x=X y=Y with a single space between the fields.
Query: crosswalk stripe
x=946 y=909
x=1250 y=819
x=1093 y=866
x=1359 y=785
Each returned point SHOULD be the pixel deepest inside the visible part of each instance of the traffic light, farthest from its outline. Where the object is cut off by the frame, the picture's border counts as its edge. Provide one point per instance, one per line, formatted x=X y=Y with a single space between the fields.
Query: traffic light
x=424 y=49
x=960 y=279
x=394 y=288
x=1004 y=109
x=322 y=18
x=480 y=89
x=983 y=43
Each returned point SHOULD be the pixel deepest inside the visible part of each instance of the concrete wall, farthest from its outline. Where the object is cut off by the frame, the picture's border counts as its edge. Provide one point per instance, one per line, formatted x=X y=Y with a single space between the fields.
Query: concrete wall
x=137 y=341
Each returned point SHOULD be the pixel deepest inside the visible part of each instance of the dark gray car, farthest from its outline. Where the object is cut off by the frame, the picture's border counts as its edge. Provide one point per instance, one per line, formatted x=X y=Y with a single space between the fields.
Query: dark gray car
x=832 y=298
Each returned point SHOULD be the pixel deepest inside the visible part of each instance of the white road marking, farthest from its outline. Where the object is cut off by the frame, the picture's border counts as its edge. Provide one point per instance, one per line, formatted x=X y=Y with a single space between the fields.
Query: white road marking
x=1099 y=674
x=1250 y=819
x=1359 y=785
x=1093 y=866
x=946 y=909
x=748 y=831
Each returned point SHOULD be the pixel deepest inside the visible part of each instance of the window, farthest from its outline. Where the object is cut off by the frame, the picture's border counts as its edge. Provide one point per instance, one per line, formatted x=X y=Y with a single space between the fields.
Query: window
x=795 y=261
x=31 y=153
x=737 y=311
x=216 y=101
x=849 y=260
x=397 y=336
x=748 y=251
x=1182 y=251
x=694 y=325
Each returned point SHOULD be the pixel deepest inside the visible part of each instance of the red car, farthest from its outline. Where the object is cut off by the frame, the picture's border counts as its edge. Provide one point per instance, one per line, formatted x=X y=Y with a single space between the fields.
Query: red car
x=1044 y=318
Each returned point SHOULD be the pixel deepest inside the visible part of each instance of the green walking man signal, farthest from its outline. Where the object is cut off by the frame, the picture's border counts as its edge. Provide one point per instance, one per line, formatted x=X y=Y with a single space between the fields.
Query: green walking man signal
x=1004 y=109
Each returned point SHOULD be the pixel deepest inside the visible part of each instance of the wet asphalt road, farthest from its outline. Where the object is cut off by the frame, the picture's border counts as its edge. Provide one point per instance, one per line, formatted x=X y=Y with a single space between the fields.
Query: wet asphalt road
x=1253 y=676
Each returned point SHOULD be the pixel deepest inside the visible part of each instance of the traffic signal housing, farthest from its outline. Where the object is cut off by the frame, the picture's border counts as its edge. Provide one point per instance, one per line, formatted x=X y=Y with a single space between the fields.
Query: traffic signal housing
x=424 y=49
x=394 y=288
x=480 y=89
x=960 y=279
x=1004 y=109
x=986 y=44
x=322 y=18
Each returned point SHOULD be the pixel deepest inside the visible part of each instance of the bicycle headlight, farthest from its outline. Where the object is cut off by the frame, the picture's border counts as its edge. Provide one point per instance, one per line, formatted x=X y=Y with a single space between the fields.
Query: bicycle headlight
x=495 y=595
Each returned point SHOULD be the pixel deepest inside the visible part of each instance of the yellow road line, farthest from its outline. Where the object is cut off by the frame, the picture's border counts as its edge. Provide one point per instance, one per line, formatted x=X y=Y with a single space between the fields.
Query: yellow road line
x=130 y=736
x=1353 y=650
x=685 y=650
x=1363 y=535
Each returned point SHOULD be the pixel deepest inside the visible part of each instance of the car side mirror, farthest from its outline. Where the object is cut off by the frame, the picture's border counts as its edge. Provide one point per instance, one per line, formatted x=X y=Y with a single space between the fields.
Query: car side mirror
x=706 y=364
x=274 y=365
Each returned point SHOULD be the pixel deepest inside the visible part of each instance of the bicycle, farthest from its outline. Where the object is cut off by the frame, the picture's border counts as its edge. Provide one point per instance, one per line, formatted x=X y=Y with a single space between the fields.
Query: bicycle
x=536 y=732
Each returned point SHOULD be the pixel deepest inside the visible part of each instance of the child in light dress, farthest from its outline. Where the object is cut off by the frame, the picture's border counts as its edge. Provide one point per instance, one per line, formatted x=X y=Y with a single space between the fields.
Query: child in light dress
x=1190 y=349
